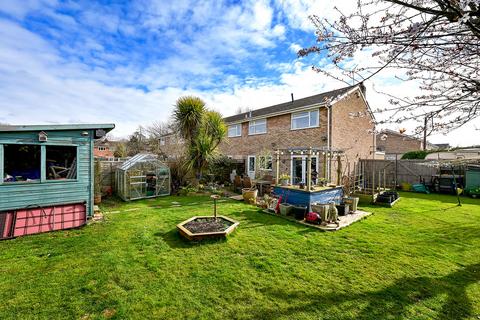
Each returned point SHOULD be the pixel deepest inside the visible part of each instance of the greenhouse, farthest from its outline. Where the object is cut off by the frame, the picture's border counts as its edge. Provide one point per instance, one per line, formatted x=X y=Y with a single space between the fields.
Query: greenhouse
x=143 y=176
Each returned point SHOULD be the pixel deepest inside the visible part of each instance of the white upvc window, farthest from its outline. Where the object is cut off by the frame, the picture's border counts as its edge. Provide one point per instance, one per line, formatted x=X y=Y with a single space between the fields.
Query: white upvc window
x=162 y=141
x=265 y=163
x=257 y=126
x=305 y=119
x=235 y=130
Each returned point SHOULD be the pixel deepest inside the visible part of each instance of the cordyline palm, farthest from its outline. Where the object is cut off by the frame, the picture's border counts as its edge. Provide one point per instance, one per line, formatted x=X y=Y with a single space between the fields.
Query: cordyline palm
x=188 y=116
x=201 y=129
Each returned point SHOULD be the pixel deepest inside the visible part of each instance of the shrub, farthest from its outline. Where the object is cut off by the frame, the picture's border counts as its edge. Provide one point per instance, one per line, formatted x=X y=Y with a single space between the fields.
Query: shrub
x=419 y=154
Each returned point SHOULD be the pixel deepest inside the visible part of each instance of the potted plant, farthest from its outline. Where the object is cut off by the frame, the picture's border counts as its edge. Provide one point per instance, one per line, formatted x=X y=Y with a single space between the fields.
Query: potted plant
x=284 y=179
x=97 y=184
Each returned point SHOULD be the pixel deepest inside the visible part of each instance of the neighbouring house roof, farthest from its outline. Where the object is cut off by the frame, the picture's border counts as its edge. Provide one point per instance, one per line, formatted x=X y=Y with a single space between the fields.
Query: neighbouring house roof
x=396 y=133
x=319 y=99
x=56 y=127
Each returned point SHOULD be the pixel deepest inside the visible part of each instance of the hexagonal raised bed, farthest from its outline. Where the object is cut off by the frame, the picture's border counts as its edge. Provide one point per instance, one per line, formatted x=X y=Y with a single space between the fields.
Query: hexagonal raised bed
x=206 y=227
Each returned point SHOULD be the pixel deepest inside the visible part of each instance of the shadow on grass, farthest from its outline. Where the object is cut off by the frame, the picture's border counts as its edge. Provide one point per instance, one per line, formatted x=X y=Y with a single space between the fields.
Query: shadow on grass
x=258 y=218
x=175 y=241
x=393 y=302
x=441 y=197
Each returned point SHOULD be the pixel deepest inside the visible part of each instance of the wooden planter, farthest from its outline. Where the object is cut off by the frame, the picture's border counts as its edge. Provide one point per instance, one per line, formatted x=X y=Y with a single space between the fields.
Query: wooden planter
x=187 y=234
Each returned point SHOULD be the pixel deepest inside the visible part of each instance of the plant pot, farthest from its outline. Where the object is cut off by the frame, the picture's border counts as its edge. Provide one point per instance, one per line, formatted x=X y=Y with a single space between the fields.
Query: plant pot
x=353 y=203
x=97 y=199
x=284 y=182
x=343 y=209
x=249 y=195
x=321 y=209
x=299 y=212
x=285 y=209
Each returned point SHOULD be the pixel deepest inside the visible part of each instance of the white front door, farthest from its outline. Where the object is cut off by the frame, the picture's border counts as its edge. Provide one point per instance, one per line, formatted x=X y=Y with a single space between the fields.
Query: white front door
x=251 y=164
x=299 y=168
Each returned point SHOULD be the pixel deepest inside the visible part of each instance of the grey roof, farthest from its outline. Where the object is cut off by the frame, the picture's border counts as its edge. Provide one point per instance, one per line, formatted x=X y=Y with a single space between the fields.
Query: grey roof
x=56 y=127
x=321 y=98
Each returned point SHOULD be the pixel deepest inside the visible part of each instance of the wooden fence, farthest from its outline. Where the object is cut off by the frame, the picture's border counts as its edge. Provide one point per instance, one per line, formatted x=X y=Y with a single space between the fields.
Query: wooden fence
x=391 y=172
x=108 y=175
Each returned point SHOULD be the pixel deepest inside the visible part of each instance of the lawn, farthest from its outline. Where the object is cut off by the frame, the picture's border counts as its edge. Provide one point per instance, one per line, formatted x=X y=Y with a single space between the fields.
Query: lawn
x=418 y=260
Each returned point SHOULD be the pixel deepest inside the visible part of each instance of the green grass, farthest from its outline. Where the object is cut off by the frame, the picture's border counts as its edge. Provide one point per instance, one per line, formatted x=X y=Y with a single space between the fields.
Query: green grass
x=418 y=260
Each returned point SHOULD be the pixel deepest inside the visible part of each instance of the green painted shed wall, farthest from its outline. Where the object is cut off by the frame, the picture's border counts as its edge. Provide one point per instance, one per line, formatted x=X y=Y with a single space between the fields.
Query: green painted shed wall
x=472 y=178
x=44 y=193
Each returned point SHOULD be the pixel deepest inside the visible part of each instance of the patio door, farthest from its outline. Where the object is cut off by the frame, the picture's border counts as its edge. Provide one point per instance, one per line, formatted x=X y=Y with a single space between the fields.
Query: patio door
x=251 y=165
x=299 y=169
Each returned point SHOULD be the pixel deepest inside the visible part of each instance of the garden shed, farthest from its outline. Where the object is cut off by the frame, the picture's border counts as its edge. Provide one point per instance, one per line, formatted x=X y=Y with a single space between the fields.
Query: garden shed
x=143 y=176
x=46 y=177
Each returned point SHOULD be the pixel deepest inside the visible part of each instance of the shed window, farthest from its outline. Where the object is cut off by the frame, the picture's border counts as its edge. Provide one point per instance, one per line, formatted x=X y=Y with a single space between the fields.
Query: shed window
x=307 y=119
x=21 y=163
x=257 y=126
x=235 y=130
x=61 y=162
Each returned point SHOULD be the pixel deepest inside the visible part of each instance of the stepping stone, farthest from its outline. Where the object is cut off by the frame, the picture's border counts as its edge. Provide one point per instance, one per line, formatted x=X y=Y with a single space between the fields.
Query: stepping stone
x=174 y=202
x=133 y=209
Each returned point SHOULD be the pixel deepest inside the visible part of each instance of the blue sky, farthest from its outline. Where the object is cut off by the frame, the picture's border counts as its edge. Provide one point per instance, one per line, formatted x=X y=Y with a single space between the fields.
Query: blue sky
x=128 y=61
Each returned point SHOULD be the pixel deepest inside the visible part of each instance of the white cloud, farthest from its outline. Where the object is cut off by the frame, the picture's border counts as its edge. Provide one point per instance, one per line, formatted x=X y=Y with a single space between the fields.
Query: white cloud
x=38 y=85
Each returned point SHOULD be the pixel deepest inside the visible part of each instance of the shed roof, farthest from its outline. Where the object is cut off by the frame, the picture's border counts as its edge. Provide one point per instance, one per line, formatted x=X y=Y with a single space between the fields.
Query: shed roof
x=319 y=99
x=56 y=127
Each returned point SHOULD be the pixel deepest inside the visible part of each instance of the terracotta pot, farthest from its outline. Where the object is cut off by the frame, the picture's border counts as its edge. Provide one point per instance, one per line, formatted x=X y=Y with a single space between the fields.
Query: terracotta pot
x=97 y=199
x=249 y=195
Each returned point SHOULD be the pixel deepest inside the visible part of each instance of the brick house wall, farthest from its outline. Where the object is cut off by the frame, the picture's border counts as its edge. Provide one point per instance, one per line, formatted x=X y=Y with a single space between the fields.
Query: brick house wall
x=349 y=134
x=398 y=144
x=279 y=136
x=173 y=146
x=104 y=149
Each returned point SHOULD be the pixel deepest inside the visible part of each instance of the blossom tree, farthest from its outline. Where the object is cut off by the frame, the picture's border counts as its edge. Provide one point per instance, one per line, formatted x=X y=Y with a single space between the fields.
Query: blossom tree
x=434 y=43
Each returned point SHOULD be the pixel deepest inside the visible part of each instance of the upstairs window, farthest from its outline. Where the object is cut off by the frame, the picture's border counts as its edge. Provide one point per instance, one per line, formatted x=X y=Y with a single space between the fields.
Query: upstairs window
x=235 y=130
x=61 y=163
x=21 y=163
x=305 y=119
x=257 y=126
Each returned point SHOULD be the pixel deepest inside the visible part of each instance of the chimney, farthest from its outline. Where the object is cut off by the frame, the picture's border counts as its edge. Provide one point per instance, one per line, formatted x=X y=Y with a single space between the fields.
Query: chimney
x=292 y=96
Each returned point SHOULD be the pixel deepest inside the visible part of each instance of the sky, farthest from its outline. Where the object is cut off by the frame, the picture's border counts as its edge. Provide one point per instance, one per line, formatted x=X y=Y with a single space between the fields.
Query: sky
x=127 y=62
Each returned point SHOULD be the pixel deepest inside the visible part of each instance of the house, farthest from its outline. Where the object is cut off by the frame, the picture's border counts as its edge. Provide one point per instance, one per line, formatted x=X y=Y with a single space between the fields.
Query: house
x=104 y=149
x=46 y=176
x=171 y=146
x=339 y=122
x=395 y=144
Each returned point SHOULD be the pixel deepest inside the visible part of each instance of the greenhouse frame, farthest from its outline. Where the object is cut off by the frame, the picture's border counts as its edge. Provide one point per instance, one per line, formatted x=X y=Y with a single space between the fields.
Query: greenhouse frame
x=143 y=176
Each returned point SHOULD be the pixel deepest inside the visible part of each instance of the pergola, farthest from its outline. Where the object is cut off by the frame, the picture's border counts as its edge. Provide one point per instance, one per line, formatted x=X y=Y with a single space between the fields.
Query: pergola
x=327 y=153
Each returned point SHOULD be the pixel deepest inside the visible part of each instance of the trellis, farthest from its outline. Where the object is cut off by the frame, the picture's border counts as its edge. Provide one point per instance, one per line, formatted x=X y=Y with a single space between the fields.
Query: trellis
x=328 y=155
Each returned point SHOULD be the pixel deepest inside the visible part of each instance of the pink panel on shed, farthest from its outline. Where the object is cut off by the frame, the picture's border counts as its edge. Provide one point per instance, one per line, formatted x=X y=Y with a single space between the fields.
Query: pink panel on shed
x=38 y=220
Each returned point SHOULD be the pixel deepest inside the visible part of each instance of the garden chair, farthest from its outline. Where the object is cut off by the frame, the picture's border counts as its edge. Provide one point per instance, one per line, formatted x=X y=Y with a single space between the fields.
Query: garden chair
x=237 y=184
x=247 y=183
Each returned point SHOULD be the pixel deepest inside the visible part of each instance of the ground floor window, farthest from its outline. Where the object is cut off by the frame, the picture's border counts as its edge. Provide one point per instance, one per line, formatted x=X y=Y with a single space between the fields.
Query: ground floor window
x=265 y=163
x=21 y=163
x=61 y=162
